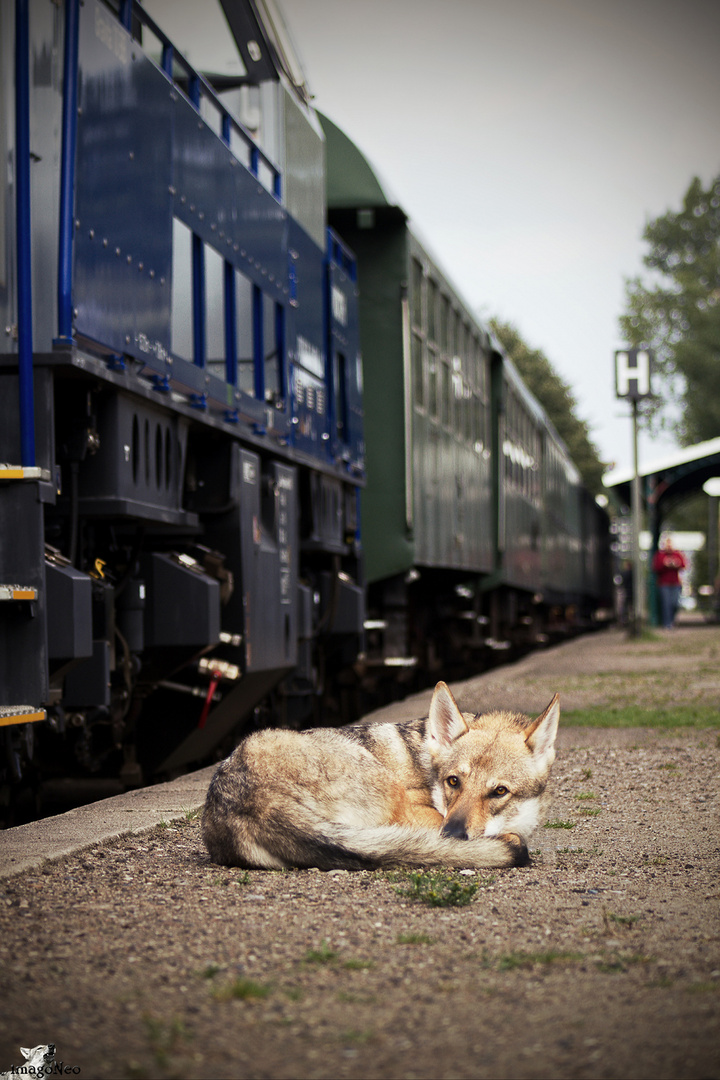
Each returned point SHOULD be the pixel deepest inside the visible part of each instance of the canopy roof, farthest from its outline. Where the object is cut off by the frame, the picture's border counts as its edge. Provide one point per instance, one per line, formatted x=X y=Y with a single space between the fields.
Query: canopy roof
x=669 y=479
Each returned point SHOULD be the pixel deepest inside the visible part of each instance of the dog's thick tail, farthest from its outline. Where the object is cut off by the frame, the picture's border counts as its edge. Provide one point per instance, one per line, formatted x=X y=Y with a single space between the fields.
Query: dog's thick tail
x=333 y=846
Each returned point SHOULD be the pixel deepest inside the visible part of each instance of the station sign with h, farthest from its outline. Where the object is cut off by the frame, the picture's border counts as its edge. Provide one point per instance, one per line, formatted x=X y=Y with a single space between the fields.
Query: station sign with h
x=633 y=368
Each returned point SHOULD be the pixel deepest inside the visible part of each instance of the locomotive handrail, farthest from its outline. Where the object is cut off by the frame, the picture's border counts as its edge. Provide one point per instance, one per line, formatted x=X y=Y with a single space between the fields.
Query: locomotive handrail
x=196 y=90
x=341 y=254
x=199 y=87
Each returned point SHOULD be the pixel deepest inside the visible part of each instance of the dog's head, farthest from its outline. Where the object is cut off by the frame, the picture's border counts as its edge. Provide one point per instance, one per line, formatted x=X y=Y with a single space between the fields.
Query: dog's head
x=39 y=1055
x=491 y=768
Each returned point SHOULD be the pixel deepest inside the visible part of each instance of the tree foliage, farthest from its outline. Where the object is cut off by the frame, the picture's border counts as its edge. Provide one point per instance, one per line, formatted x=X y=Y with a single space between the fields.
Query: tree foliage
x=557 y=399
x=678 y=315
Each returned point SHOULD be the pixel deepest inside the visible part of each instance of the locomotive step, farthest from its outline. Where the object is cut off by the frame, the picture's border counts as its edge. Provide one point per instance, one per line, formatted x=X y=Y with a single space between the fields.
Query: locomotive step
x=23 y=472
x=18 y=592
x=20 y=714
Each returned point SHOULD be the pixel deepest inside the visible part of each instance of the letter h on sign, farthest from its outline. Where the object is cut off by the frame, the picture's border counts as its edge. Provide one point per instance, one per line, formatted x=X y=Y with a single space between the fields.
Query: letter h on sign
x=632 y=374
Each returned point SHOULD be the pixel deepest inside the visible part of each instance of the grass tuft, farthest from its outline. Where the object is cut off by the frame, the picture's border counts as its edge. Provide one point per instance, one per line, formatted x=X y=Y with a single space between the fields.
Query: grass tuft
x=512 y=961
x=415 y=939
x=436 y=888
x=323 y=955
x=241 y=989
x=674 y=716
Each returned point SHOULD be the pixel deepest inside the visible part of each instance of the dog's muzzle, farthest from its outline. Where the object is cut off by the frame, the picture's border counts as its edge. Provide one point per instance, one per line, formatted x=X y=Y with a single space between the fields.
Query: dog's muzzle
x=456 y=829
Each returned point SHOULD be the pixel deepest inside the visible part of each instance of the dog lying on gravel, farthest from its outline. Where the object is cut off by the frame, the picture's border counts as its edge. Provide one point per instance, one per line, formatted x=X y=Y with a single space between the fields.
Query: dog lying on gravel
x=449 y=790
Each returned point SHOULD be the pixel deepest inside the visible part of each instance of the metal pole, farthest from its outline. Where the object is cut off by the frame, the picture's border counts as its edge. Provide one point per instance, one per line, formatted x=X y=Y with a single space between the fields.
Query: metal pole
x=638 y=619
x=23 y=237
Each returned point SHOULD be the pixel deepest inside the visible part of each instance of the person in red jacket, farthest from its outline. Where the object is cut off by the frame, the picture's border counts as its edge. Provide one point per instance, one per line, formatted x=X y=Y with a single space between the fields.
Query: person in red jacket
x=667 y=565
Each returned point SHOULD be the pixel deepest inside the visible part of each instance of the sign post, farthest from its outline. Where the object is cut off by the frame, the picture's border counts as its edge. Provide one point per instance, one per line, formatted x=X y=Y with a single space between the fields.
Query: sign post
x=633 y=368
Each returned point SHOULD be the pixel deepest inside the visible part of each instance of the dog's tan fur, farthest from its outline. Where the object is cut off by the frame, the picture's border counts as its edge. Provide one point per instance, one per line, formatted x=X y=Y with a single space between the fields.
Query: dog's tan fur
x=450 y=790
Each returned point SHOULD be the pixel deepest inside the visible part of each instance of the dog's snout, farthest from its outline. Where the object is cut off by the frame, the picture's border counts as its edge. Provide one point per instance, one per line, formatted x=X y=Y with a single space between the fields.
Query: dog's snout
x=457 y=828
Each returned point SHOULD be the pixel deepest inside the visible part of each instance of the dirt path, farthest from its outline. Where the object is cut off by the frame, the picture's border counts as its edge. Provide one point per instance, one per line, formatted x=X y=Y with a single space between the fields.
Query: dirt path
x=140 y=959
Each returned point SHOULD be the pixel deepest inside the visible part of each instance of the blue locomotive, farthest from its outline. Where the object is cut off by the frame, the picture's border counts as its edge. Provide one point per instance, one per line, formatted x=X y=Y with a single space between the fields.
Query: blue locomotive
x=185 y=409
x=182 y=428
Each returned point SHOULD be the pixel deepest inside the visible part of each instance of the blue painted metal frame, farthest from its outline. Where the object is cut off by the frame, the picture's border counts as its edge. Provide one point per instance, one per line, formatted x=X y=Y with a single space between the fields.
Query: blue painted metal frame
x=145 y=156
x=24 y=262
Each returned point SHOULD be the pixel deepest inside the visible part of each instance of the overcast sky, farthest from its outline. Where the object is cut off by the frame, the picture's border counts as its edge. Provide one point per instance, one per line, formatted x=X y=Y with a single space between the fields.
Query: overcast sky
x=530 y=141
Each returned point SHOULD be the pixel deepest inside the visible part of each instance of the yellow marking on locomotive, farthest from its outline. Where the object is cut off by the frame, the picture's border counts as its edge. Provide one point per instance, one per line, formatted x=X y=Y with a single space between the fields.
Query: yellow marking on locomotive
x=17 y=716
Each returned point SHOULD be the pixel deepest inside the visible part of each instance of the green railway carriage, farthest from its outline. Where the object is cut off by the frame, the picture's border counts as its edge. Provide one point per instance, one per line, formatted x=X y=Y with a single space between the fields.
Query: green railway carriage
x=471 y=517
x=426 y=365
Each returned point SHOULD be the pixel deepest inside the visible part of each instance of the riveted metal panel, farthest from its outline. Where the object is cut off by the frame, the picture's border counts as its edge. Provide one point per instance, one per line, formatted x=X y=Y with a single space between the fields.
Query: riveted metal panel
x=217 y=197
x=307 y=338
x=123 y=203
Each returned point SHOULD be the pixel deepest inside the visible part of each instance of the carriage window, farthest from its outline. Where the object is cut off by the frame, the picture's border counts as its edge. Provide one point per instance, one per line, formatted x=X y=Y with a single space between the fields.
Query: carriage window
x=417 y=372
x=417 y=294
x=445 y=392
x=432 y=386
x=444 y=322
x=432 y=295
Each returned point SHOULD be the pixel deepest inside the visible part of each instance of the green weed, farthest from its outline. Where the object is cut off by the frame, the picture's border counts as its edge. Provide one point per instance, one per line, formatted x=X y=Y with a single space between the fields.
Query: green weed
x=241 y=989
x=164 y=1036
x=415 y=939
x=210 y=971
x=358 y=1038
x=559 y=824
x=436 y=888
x=323 y=955
x=512 y=961
x=619 y=920
x=673 y=716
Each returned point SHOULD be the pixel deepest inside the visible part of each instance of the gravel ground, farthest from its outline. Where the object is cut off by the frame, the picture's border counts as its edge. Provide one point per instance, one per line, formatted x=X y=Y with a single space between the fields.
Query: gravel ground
x=139 y=958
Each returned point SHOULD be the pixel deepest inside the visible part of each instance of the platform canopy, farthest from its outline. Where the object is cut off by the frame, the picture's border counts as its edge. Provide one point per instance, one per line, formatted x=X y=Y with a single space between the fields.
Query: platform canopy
x=668 y=480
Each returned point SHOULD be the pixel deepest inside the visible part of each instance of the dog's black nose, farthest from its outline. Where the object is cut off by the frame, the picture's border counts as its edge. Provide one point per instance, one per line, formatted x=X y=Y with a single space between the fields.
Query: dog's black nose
x=456 y=829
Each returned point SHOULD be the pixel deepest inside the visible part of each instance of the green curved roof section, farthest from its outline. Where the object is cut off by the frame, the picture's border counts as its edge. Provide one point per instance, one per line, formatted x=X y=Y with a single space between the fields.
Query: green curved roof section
x=351 y=181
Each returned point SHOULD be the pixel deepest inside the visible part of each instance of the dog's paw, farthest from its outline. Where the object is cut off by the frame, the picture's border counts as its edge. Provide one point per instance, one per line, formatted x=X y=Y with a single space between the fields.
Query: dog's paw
x=518 y=848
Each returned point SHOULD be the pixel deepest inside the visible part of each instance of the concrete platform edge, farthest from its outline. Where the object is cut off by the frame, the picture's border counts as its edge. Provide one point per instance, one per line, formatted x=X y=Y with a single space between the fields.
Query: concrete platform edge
x=30 y=846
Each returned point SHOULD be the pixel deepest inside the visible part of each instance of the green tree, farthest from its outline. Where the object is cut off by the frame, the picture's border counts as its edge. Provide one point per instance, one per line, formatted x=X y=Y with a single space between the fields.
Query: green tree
x=678 y=315
x=557 y=399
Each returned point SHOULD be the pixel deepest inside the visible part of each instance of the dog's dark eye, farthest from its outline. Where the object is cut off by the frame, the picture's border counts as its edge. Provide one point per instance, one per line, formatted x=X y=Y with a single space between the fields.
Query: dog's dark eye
x=453 y=781
x=499 y=791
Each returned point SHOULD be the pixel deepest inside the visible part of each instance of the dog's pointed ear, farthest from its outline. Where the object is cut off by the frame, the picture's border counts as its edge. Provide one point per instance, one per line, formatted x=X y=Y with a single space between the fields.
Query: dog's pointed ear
x=540 y=734
x=445 y=721
x=25 y=1052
